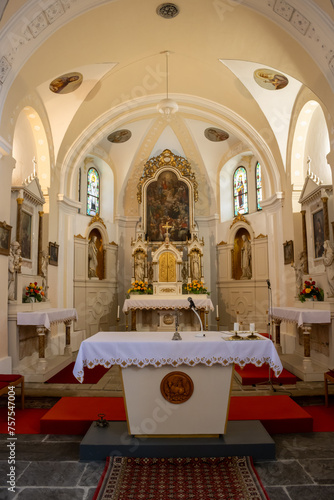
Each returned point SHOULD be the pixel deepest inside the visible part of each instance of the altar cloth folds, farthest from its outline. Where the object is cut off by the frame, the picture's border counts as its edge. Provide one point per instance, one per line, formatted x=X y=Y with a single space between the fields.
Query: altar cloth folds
x=161 y=302
x=157 y=349
x=301 y=316
x=46 y=317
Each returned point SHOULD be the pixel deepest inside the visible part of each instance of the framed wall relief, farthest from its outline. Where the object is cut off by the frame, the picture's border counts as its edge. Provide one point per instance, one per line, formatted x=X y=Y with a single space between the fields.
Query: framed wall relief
x=288 y=252
x=5 y=233
x=26 y=231
x=53 y=254
x=318 y=233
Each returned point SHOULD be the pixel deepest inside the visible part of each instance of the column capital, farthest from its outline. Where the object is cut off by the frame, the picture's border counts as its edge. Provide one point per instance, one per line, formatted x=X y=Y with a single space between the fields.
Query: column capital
x=19 y=201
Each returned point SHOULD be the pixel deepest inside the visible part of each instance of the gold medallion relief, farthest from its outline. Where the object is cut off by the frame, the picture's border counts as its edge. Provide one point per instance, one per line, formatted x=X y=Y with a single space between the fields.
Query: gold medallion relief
x=177 y=387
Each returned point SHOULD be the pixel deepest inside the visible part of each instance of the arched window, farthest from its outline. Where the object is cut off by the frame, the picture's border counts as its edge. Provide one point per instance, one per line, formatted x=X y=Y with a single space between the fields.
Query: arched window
x=258 y=180
x=240 y=191
x=93 y=192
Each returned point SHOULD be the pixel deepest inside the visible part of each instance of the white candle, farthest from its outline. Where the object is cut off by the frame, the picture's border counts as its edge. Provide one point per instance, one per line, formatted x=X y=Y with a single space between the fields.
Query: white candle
x=236 y=327
x=252 y=327
x=217 y=311
x=117 y=312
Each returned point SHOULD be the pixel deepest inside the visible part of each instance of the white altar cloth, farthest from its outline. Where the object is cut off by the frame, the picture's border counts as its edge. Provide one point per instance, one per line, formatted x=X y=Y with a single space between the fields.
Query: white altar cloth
x=157 y=349
x=300 y=316
x=158 y=302
x=46 y=317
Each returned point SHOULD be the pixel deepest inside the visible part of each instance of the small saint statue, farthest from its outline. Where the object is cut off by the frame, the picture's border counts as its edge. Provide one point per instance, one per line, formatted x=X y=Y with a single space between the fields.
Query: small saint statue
x=246 y=258
x=92 y=257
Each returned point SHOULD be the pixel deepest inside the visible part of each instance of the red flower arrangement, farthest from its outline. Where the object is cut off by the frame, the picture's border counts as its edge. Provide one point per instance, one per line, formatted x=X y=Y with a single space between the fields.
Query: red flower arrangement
x=33 y=290
x=311 y=291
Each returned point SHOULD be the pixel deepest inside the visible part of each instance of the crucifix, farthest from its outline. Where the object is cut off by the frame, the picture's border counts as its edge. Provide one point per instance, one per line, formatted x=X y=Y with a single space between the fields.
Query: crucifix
x=167 y=227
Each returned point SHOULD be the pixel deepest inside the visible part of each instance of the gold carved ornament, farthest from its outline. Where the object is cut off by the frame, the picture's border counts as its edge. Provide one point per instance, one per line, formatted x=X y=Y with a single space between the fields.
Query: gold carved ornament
x=177 y=387
x=167 y=159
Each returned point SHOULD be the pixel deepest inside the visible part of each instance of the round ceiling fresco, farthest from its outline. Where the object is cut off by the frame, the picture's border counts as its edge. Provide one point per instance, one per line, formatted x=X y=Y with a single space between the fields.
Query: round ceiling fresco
x=119 y=136
x=66 y=83
x=216 y=134
x=269 y=79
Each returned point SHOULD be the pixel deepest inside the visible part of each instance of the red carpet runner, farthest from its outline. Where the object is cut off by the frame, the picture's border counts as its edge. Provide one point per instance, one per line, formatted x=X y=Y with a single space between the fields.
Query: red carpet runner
x=278 y=414
x=180 y=478
x=65 y=376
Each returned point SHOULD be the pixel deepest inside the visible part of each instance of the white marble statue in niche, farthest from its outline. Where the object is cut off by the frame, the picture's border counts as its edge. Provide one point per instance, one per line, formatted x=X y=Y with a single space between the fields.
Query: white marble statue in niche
x=14 y=267
x=195 y=266
x=299 y=271
x=44 y=271
x=246 y=258
x=329 y=266
x=140 y=266
x=92 y=257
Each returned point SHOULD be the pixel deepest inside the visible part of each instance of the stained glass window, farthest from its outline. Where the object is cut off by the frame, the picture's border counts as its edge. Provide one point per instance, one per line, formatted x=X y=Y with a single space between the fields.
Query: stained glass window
x=240 y=191
x=93 y=192
x=258 y=186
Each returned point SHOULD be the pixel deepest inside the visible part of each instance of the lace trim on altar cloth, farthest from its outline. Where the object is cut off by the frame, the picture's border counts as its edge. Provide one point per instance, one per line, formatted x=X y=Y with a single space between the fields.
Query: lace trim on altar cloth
x=157 y=363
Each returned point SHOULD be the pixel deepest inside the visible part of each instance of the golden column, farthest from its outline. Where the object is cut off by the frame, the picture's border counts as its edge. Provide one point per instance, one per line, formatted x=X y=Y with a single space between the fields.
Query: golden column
x=324 y=200
x=19 y=220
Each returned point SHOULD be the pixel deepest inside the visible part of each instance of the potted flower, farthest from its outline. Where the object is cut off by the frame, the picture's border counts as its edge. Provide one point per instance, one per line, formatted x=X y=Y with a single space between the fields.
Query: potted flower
x=311 y=292
x=33 y=293
x=196 y=287
x=139 y=287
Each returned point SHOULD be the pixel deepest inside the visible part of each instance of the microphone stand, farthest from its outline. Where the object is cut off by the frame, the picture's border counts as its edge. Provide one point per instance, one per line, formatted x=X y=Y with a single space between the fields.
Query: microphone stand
x=192 y=307
x=269 y=332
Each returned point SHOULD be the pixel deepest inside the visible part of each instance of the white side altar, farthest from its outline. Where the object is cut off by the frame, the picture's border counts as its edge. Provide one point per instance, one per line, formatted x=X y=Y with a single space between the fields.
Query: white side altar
x=167 y=308
x=43 y=319
x=304 y=318
x=175 y=387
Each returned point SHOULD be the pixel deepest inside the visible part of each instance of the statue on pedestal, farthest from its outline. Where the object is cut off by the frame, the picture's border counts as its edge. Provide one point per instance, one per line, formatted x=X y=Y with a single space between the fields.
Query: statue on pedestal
x=140 y=266
x=92 y=257
x=14 y=267
x=44 y=271
x=246 y=259
x=329 y=265
x=299 y=271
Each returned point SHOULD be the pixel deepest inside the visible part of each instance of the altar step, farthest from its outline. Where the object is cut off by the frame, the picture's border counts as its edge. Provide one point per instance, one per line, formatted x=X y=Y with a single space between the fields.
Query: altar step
x=278 y=414
x=294 y=363
x=54 y=364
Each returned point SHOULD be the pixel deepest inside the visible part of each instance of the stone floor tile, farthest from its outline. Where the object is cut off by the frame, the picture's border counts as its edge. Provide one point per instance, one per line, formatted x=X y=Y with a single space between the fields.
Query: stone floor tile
x=277 y=493
x=50 y=474
x=321 y=470
x=310 y=445
x=52 y=494
x=282 y=473
x=310 y=492
x=73 y=438
x=92 y=473
x=45 y=451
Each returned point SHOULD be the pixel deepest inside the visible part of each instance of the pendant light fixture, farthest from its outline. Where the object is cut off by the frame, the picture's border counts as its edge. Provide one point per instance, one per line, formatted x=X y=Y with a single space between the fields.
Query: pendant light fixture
x=167 y=106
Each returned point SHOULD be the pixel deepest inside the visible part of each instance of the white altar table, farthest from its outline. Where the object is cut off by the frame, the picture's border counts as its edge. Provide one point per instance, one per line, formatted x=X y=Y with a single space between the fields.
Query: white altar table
x=159 y=303
x=146 y=358
x=43 y=320
x=304 y=318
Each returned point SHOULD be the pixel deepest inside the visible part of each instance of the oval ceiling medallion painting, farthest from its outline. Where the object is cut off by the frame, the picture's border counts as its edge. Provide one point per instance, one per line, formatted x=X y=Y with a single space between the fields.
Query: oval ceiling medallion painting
x=65 y=84
x=120 y=136
x=216 y=134
x=177 y=387
x=269 y=79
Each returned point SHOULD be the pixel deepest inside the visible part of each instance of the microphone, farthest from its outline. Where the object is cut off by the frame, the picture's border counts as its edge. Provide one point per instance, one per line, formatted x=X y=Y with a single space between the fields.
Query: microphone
x=191 y=303
x=268 y=283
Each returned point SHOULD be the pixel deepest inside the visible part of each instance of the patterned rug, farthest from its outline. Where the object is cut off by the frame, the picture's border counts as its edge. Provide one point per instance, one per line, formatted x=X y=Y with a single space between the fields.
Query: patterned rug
x=228 y=478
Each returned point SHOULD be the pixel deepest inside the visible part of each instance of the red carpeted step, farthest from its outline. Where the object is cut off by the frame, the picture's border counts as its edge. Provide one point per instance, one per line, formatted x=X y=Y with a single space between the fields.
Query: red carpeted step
x=91 y=375
x=75 y=415
x=278 y=414
x=26 y=421
x=251 y=374
x=323 y=417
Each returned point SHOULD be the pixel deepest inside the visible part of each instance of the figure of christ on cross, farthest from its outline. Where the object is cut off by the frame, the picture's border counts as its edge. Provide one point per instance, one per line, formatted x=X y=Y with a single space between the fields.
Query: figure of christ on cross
x=167 y=226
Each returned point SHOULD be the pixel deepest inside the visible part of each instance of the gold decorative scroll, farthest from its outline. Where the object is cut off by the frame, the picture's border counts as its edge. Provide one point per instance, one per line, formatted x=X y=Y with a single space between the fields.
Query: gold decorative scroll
x=239 y=218
x=97 y=218
x=167 y=159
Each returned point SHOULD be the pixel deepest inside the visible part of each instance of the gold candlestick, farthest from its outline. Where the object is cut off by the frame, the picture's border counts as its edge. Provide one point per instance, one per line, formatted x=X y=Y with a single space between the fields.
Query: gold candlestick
x=217 y=319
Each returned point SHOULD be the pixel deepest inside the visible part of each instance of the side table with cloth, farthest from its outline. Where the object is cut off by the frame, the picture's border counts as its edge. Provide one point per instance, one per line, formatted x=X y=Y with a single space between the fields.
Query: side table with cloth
x=43 y=320
x=155 y=302
x=304 y=318
x=147 y=358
